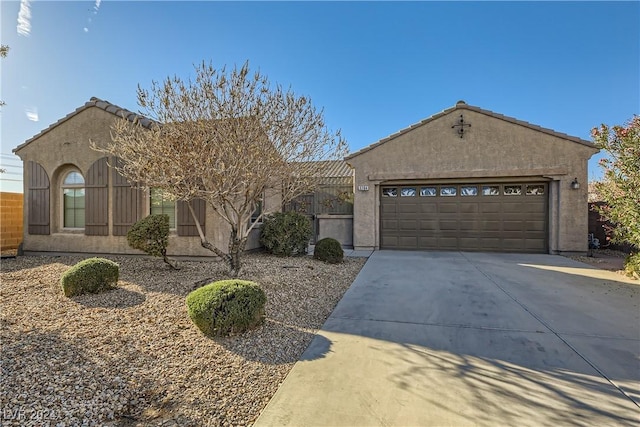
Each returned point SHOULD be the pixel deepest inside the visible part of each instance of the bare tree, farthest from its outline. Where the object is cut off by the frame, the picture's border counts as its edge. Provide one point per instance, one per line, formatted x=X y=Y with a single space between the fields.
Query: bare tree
x=225 y=137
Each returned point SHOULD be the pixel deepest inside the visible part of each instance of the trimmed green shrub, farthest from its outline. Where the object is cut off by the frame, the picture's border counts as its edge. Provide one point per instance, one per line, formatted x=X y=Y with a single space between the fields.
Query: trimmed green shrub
x=151 y=235
x=328 y=250
x=226 y=307
x=286 y=234
x=632 y=265
x=92 y=276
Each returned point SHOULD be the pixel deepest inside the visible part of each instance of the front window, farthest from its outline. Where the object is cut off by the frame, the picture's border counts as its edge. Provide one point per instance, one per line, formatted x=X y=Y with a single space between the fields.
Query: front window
x=161 y=203
x=73 y=201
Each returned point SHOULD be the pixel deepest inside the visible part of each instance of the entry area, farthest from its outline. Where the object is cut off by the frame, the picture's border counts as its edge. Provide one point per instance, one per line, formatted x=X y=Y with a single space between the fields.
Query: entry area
x=496 y=217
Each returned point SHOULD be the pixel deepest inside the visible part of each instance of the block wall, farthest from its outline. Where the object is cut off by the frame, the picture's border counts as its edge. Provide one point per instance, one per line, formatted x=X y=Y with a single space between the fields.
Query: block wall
x=10 y=220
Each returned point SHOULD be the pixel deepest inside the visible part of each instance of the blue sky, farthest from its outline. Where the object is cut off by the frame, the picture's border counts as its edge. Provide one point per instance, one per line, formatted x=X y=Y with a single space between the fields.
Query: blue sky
x=375 y=67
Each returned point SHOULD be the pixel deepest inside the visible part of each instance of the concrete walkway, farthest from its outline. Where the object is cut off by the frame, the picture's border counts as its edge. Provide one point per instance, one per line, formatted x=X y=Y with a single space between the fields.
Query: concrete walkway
x=455 y=339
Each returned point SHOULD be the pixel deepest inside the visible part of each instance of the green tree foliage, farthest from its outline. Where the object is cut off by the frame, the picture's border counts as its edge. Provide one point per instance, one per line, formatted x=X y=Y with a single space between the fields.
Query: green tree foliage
x=620 y=187
x=151 y=235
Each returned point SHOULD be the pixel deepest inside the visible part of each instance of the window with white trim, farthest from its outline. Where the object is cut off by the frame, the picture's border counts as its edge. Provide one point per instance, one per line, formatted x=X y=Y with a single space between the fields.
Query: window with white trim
x=73 y=200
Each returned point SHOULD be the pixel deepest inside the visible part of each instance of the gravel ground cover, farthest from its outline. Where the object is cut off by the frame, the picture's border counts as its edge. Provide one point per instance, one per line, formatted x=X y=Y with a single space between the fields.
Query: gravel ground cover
x=132 y=357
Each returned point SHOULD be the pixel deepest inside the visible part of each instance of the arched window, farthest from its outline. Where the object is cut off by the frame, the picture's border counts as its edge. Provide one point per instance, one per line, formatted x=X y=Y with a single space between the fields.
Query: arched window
x=73 y=200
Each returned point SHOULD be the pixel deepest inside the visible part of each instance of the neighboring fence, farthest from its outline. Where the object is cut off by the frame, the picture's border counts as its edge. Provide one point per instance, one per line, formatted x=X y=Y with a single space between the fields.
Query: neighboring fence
x=10 y=220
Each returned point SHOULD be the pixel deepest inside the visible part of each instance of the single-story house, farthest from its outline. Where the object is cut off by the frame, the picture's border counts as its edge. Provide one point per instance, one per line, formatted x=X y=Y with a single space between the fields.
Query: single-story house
x=75 y=202
x=469 y=179
x=463 y=179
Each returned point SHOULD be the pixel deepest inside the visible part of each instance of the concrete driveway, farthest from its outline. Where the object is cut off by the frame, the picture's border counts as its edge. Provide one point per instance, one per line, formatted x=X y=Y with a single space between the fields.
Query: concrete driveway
x=453 y=339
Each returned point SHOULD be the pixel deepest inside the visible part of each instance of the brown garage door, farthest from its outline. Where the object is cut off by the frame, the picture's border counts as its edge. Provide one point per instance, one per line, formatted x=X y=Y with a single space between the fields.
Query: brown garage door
x=509 y=217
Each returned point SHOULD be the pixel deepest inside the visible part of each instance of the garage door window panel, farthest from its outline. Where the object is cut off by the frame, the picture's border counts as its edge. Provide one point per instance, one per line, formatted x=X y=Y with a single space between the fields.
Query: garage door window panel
x=389 y=192
x=469 y=190
x=408 y=192
x=512 y=190
x=428 y=192
x=448 y=191
x=490 y=190
x=535 y=190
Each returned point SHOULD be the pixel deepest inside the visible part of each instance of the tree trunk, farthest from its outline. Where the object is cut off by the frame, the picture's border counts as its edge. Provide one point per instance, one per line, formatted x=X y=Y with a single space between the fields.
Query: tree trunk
x=236 y=248
x=207 y=245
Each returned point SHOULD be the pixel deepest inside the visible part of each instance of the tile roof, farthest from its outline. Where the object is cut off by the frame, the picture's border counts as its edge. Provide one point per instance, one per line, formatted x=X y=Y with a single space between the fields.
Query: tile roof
x=461 y=105
x=327 y=169
x=93 y=102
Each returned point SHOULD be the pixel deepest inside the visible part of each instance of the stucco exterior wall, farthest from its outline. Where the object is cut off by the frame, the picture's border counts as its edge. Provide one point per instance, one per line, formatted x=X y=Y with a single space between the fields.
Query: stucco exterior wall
x=339 y=227
x=491 y=149
x=66 y=146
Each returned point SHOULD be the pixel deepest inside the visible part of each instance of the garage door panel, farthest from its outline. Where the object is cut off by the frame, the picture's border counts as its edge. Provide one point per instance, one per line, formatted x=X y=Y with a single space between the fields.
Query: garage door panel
x=491 y=243
x=407 y=225
x=408 y=242
x=388 y=208
x=512 y=244
x=491 y=225
x=447 y=207
x=491 y=207
x=535 y=244
x=448 y=225
x=468 y=225
x=500 y=222
x=389 y=224
x=535 y=225
x=512 y=207
x=535 y=207
x=429 y=208
x=470 y=243
x=448 y=243
x=429 y=225
x=390 y=241
x=408 y=208
x=428 y=242
x=468 y=208
x=512 y=226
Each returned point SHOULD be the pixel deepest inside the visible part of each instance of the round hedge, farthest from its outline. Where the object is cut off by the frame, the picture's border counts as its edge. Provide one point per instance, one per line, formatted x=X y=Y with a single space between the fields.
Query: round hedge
x=226 y=307
x=328 y=250
x=92 y=275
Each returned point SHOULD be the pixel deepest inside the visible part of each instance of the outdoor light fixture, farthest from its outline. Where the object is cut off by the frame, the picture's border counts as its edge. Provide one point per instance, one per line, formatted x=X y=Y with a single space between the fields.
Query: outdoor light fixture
x=575 y=184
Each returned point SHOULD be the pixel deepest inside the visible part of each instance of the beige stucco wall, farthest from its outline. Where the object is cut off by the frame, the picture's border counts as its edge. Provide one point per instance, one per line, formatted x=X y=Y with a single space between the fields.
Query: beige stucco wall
x=339 y=227
x=491 y=149
x=67 y=146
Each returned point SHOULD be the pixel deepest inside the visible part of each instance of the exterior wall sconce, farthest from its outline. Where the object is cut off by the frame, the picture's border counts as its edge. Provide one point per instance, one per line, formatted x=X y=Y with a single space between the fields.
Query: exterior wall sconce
x=575 y=184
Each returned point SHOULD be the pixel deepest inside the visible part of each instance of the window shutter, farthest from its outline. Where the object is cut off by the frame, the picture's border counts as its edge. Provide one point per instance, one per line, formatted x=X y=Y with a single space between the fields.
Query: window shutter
x=186 y=225
x=127 y=203
x=39 y=200
x=97 y=199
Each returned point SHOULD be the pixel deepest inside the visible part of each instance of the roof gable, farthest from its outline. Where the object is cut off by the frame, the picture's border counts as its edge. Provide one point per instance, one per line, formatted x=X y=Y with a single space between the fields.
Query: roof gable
x=93 y=102
x=461 y=105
